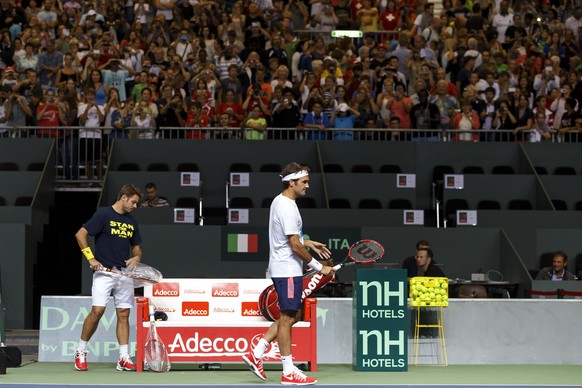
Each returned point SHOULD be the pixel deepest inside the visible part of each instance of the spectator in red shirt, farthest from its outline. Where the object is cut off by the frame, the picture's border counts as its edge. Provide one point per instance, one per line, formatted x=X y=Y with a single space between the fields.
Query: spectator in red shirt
x=232 y=108
x=196 y=119
x=47 y=115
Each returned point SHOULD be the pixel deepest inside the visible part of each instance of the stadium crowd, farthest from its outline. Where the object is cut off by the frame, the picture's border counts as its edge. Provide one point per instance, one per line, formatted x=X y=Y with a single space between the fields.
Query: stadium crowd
x=111 y=67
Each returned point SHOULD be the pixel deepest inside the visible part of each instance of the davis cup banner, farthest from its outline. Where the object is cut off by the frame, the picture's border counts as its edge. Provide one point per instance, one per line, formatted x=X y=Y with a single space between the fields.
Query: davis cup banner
x=61 y=321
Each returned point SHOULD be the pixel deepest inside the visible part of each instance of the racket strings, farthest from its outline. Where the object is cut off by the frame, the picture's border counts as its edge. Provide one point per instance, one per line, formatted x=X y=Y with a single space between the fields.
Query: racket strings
x=367 y=251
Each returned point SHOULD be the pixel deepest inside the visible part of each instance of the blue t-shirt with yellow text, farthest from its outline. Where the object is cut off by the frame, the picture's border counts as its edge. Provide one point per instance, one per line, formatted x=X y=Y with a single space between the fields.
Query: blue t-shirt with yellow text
x=115 y=235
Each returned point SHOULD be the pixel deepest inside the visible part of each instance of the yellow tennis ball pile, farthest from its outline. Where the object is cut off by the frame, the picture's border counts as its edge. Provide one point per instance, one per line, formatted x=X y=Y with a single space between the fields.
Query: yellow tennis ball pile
x=429 y=292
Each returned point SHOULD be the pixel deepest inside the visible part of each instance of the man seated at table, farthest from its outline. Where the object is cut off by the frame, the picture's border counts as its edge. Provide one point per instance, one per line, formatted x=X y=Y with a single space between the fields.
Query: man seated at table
x=425 y=262
x=409 y=264
x=558 y=269
x=152 y=197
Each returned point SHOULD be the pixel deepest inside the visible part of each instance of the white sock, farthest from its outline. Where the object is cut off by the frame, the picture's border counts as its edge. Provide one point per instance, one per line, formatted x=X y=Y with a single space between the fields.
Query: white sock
x=82 y=347
x=260 y=349
x=287 y=364
x=123 y=350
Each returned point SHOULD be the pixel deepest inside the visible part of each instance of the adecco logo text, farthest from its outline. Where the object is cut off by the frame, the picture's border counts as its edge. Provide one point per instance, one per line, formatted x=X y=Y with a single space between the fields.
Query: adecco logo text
x=166 y=289
x=250 y=309
x=195 y=309
x=225 y=290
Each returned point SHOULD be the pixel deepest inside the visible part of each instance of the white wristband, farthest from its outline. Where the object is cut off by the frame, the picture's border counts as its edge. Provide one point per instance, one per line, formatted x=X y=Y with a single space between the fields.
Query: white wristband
x=314 y=264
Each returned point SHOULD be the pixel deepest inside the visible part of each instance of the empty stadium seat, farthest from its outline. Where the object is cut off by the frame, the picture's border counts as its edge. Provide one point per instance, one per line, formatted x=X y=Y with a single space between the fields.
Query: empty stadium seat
x=452 y=205
x=507 y=170
x=399 y=203
x=8 y=166
x=241 y=203
x=270 y=167
x=370 y=203
x=362 y=168
x=187 y=167
x=578 y=205
x=438 y=176
x=266 y=203
x=559 y=204
x=439 y=172
x=187 y=202
x=390 y=169
x=23 y=201
x=488 y=204
x=565 y=170
x=473 y=170
x=333 y=168
x=2 y=201
x=306 y=203
x=519 y=204
x=541 y=170
x=158 y=167
x=339 y=203
x=128 y=167
x=35 y=166
x=240 y=167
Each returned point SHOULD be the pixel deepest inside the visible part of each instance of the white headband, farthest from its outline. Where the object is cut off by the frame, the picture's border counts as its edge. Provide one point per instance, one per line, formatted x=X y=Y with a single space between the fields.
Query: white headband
x=295 y=175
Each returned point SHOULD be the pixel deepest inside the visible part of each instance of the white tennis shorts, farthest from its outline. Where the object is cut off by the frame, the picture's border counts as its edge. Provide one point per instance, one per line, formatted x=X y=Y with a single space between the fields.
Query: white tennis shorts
x=106 y=285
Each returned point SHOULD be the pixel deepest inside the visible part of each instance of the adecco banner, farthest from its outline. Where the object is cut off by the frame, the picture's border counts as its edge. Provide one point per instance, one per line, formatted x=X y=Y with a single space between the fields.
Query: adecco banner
x=208 y=299
x=61 y=321
x=227 y=343
x=380 y=330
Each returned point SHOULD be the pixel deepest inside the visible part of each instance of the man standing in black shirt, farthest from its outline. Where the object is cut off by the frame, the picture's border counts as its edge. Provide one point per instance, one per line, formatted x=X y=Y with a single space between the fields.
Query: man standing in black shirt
x=286 y=115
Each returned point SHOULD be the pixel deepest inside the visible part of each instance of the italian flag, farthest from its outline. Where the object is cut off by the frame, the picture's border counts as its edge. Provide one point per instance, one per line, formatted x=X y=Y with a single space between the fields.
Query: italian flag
x=243 y=243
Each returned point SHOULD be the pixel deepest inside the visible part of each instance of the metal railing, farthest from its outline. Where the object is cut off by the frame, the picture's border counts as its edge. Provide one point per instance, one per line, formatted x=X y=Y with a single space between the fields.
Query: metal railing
x=82 y=153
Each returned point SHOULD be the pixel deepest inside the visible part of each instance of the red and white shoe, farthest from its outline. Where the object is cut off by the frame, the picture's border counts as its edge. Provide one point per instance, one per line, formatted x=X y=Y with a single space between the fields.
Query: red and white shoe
x=125 y=363
x=255 y=364
x=81 y=361
x=297 y=378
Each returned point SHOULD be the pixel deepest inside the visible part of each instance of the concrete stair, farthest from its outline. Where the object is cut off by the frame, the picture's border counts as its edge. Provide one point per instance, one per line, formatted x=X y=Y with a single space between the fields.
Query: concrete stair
x=26 y=341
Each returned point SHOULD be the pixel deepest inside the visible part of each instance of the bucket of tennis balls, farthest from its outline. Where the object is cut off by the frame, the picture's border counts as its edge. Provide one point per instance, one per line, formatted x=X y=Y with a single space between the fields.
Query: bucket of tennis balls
x=429 y=292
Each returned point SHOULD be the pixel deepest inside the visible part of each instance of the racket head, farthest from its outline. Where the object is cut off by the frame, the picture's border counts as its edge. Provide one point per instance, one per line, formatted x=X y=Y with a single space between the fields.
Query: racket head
x=366 y=252
x=156 y=356
x=142 y=274
x=155 y=352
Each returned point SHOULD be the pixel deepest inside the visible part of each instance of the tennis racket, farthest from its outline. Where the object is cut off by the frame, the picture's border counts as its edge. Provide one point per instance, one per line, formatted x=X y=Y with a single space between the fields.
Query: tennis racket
x=155 y=352
x=362 y=252
x=142 y=274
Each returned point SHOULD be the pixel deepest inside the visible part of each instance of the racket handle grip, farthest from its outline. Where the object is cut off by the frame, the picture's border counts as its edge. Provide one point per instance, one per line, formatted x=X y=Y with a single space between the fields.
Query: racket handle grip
x=151 y=310
x=336 y=267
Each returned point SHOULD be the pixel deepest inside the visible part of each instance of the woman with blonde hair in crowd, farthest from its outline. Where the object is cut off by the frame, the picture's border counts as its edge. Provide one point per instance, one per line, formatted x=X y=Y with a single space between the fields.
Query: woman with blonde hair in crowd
x=281 y=77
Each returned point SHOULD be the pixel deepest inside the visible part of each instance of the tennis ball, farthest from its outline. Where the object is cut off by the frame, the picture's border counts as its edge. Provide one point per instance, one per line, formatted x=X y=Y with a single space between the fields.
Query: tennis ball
x=423 y=303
